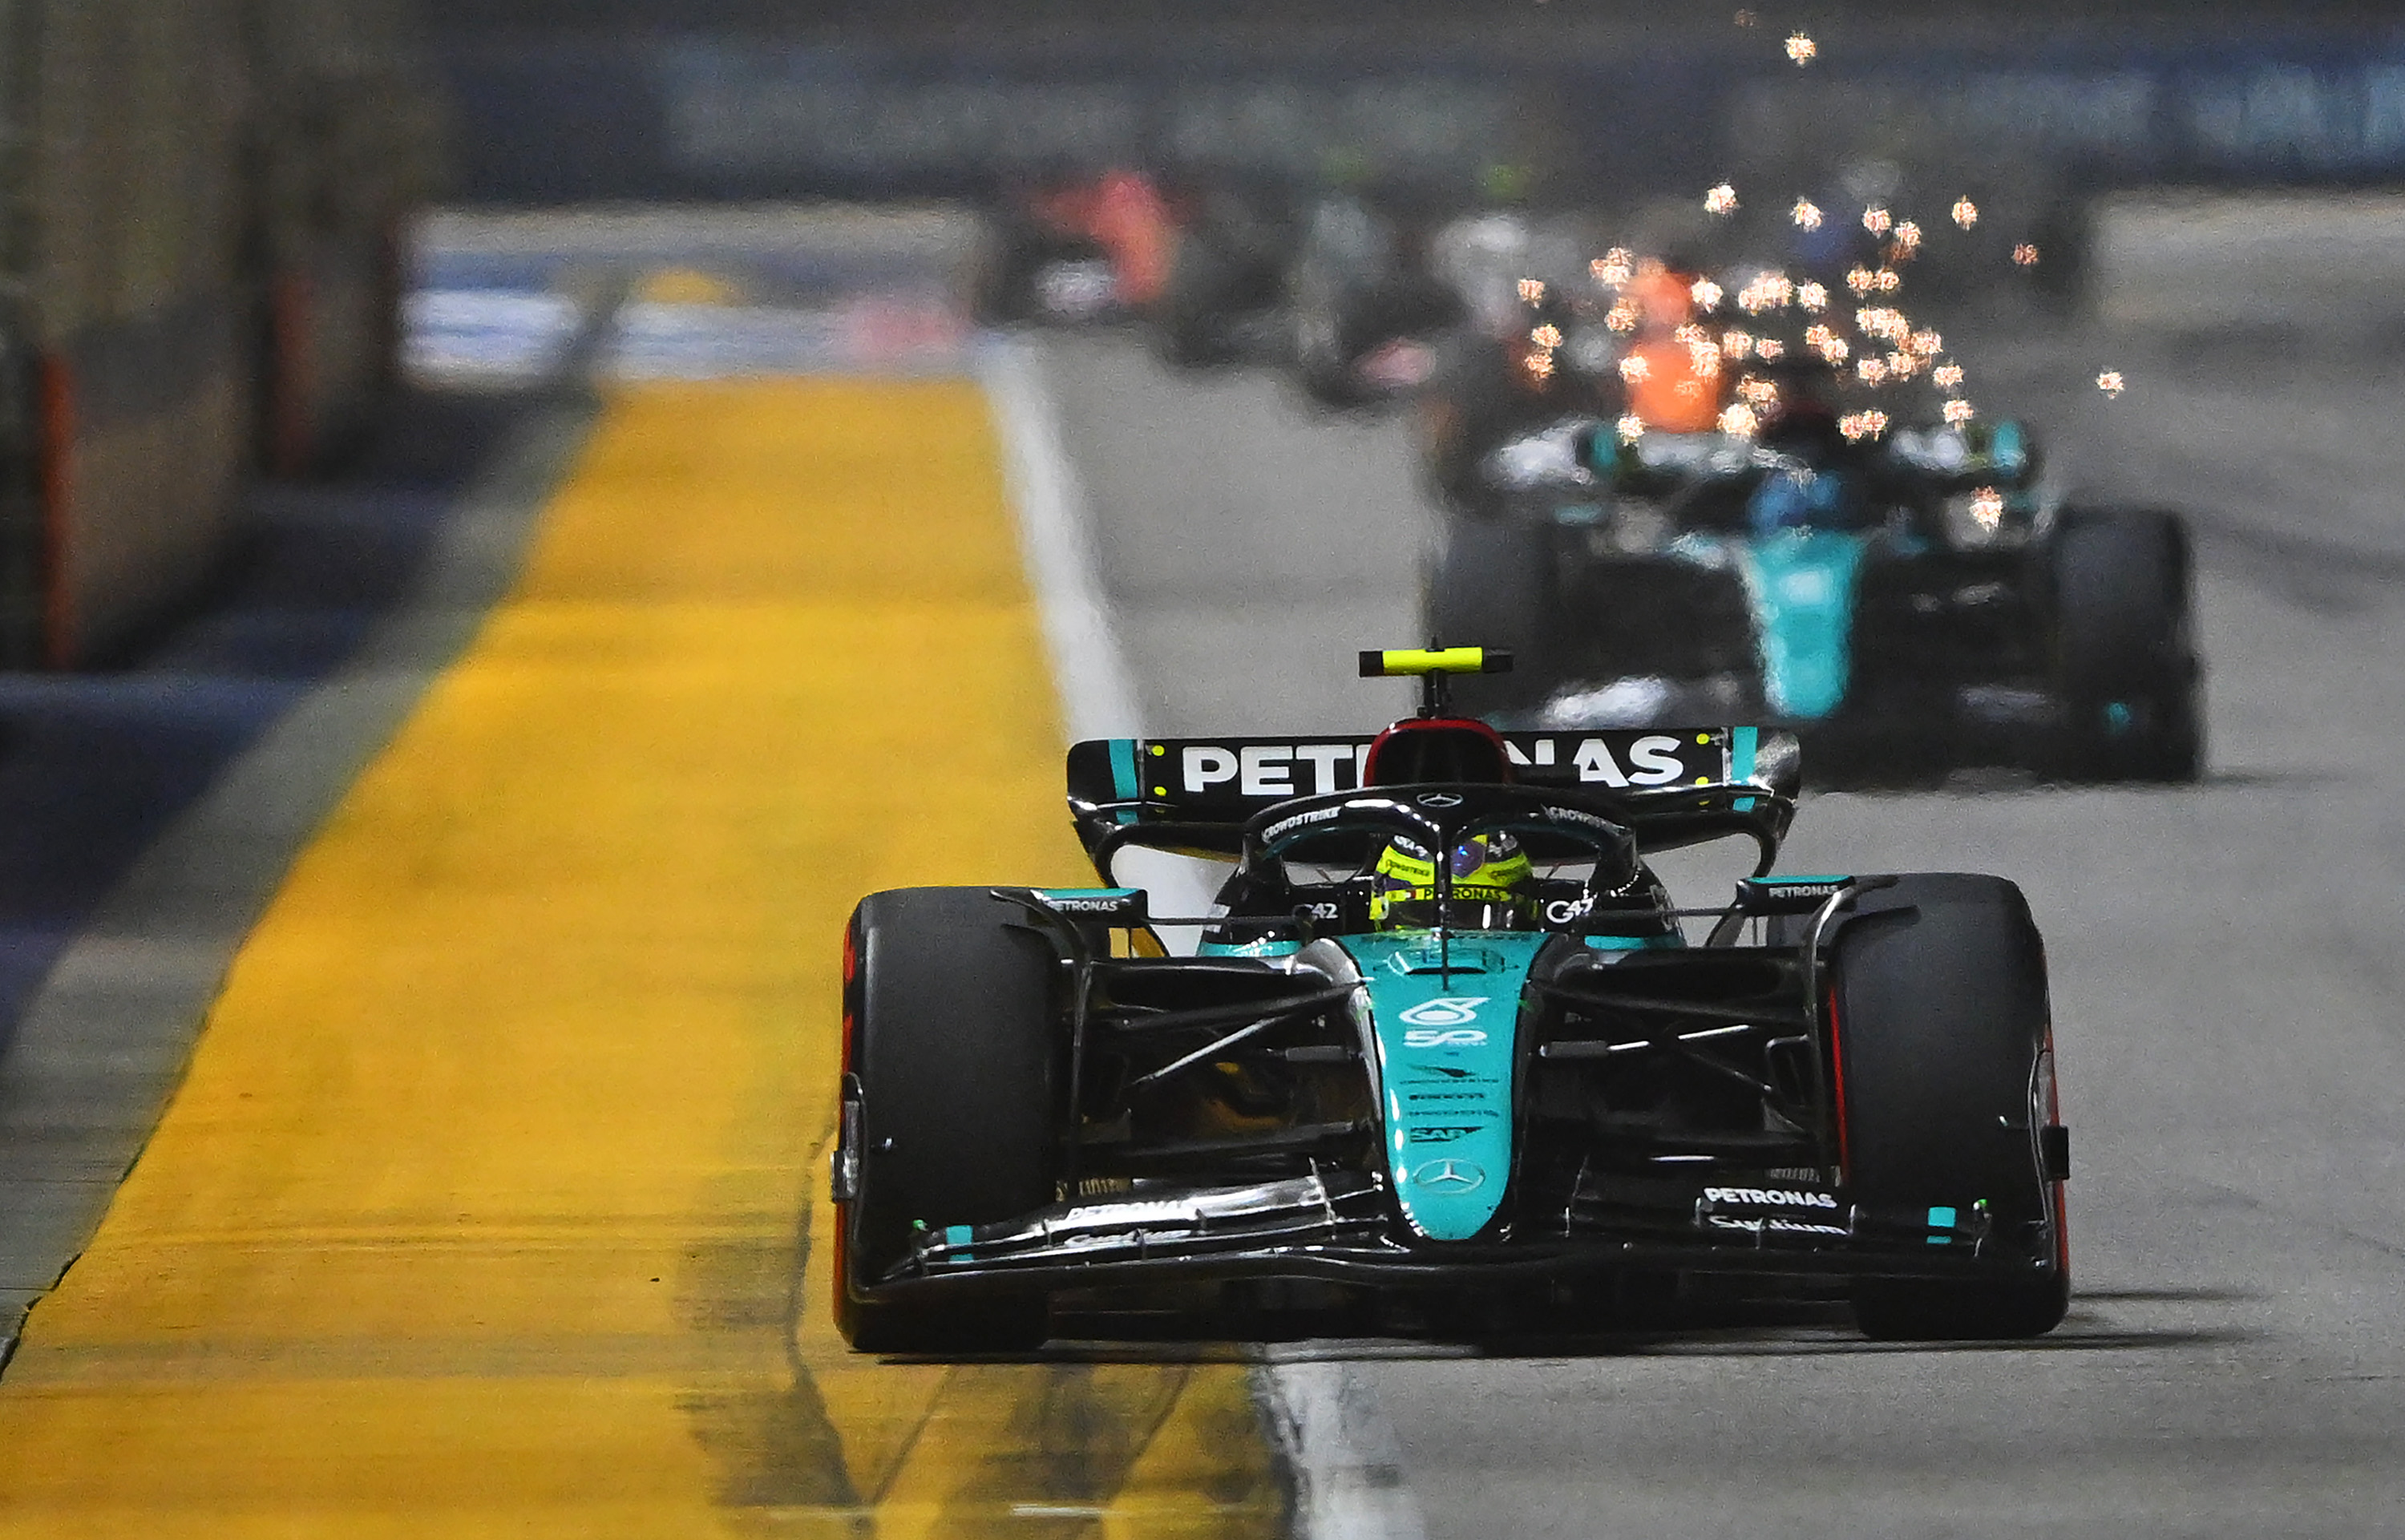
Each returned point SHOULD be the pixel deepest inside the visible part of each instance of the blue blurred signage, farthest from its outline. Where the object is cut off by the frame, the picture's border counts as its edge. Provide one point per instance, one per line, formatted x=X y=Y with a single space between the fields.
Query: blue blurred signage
x=705 y=118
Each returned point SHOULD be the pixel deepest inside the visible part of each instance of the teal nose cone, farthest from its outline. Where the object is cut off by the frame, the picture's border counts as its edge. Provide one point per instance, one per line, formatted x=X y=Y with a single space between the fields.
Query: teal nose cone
x=1446 y=1044
x=1801 y=585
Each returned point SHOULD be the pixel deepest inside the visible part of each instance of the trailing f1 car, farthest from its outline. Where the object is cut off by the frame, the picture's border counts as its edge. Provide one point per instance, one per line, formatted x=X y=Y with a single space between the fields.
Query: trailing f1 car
x=1365 y=312
x=1446 y=1033
x=1223 y=300
x=1911 y=602
x=1085 y=250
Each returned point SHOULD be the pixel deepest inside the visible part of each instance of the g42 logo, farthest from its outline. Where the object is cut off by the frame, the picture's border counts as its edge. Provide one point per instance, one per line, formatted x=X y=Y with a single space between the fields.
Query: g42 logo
x=1444 y=1023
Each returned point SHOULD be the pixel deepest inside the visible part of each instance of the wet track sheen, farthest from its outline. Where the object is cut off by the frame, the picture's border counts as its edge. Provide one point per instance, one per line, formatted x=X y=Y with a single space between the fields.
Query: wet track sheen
x=2227 y=967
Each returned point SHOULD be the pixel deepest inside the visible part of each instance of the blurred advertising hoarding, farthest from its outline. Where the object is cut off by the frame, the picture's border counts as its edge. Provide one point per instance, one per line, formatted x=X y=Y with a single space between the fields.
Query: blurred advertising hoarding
x=597 y=116
x=2165 y=118
x=741 y=112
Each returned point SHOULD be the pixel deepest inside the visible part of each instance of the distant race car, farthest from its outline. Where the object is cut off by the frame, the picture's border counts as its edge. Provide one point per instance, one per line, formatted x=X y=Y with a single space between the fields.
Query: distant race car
x=1916 y=601
x=1446 y=1037
x=1365 y=313
x=1223 y=300
x=1096 y=248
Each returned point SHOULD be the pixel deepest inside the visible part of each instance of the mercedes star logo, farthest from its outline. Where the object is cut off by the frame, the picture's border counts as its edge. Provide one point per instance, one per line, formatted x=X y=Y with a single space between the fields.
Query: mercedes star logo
x=1448 y=1176
x=1439 y=799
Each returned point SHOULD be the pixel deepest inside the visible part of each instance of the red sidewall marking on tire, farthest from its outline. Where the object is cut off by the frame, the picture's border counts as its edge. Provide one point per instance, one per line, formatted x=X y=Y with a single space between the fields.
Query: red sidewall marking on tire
x=1838 y=1085
x=2053 y=1116
x=841 y=1284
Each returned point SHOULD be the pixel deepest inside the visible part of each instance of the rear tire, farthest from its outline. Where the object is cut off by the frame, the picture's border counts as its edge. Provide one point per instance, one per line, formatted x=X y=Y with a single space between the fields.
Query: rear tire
x=1193 y=313
x=949 y=1010
x=2125 y=648
x=1943 y=1048
x=1494 y=586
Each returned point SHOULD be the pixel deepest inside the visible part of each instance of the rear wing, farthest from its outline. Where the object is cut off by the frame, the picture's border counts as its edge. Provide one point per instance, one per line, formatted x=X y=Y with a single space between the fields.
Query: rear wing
x=1205 y=790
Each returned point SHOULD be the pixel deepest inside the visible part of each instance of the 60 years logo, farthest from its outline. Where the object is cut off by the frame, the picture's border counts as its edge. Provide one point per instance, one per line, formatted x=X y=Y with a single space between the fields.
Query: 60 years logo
x=1444 y=1021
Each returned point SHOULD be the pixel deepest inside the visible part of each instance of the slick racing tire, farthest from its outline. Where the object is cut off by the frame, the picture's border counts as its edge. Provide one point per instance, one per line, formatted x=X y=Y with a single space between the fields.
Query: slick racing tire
x=1943 y=1069
x=949 y=1051
x=1494 y=586
x=2125 y=651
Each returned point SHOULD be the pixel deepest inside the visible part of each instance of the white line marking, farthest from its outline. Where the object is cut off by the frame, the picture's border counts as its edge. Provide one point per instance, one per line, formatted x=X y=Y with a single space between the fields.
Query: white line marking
x=1097 y=695
x=1058 y=1510
x=1326 y=1424
x=1348 y=1463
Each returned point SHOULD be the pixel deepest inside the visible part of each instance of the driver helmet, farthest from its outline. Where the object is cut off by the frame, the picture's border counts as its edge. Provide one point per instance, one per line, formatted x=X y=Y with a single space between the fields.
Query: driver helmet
x=1491 y=888
x=1795 y=498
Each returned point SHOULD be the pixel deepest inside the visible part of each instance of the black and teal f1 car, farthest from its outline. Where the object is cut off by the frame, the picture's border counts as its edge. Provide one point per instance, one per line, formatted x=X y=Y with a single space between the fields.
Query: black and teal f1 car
x=1908 y=605
x=1446 y=1035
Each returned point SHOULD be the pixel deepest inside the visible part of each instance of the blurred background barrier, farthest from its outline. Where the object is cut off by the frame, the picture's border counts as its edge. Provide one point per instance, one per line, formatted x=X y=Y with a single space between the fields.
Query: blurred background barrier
x=554 y=112
x=204 y=202
x=200 y=237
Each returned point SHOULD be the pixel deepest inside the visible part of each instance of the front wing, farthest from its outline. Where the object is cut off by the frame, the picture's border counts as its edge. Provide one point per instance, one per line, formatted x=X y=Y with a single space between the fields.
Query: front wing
x=1339 y=1227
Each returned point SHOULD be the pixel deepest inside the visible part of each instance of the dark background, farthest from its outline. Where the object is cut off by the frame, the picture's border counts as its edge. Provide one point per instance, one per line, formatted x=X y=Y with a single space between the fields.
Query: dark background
x=557 y=101
x=983 y=20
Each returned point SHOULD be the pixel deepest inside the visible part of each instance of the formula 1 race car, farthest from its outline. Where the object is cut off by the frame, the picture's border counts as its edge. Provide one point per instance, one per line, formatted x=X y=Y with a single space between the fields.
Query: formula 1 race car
x=1366 y=313
x=1911 y=604
x=1085 y=249
x=1446 y=1037
x=1224 y=298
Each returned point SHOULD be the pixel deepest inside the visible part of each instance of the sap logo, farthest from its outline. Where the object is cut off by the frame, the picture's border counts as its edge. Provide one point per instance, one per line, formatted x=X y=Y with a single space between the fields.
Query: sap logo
x=1443 y=1134
x=1268 y=769
x=1653 y=761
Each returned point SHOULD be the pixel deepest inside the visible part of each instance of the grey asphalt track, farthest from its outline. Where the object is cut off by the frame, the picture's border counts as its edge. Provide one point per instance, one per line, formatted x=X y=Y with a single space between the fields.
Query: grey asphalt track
x=2229 y=967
